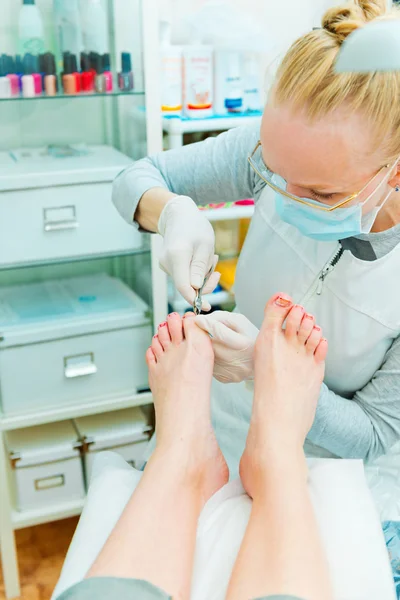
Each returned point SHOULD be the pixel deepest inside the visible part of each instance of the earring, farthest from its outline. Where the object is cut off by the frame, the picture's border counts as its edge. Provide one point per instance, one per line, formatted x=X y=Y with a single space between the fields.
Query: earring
x=397 y=188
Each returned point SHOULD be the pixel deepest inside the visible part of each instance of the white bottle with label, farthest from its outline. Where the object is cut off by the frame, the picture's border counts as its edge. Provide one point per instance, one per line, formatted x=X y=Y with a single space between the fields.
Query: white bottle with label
x=234 y=84
x=171 y=73
x=252 y=92
x=30 y=29
x=95 y=27
x=198 y=81
x=67 y=22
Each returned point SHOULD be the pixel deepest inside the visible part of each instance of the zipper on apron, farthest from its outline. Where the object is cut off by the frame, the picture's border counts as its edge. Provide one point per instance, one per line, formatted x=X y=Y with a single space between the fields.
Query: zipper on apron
x=329 y=268
x=318 y=283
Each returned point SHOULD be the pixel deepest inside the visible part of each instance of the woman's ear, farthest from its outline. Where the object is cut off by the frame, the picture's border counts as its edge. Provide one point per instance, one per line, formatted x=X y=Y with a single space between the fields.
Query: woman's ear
x=395 y=180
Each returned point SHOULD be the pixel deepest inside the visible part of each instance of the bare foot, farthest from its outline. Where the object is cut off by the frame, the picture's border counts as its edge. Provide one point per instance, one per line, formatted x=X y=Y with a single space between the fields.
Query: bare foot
x=180 y=363
x=289 y=367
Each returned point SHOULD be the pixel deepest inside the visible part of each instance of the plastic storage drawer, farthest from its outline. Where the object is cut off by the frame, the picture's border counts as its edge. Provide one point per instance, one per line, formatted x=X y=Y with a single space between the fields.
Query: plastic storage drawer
x=126 y=432
x=47 y=465
x=61 y=208
x=72 y=340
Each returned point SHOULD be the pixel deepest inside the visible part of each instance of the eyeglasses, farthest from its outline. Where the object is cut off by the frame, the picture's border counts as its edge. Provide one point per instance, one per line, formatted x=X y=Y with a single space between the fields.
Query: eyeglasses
x=268 y=176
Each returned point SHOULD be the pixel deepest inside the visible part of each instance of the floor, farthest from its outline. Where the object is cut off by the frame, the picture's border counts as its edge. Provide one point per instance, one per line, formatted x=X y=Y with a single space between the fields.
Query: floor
x=41 y=552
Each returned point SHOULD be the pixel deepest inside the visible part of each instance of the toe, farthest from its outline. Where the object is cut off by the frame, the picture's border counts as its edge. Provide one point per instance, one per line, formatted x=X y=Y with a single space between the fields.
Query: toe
x=276 y=312
x=314 y=339
x=293 y=321
x=175 y=328
x=321 y=351
x=157 y=348
x=306 y=327
x=163 y=335
x=150 y=358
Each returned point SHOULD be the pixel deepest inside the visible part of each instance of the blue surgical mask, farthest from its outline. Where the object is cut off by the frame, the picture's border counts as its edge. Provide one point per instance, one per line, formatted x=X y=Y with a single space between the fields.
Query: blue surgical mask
x=322 y=225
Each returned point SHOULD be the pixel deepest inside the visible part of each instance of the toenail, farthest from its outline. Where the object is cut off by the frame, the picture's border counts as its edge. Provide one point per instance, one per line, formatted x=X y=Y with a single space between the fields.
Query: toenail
x=309 y=316
x=283 y=302
x=173 y=314
x=163 y=324
x=317 y=328
x=155 y=337
x=298 y=306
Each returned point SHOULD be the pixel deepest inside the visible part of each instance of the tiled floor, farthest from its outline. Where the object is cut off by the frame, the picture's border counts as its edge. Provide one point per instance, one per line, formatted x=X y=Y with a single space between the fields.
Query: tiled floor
x=41 y=552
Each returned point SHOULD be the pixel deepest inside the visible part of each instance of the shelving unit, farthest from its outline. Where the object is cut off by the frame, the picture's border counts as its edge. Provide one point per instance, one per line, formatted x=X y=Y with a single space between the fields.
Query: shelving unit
x=113 y=108
x=176 y=127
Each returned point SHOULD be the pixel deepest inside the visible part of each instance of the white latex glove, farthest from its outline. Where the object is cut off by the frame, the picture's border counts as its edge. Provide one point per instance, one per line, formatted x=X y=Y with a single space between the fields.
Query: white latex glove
x=189 y=243
x=233 y=338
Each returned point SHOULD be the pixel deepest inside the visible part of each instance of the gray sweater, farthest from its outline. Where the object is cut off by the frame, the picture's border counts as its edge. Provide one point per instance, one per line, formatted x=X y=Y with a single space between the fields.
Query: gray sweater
x=216 y=170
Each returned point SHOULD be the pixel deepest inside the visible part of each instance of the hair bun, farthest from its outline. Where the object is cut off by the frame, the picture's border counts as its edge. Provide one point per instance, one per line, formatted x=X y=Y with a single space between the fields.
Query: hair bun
x=342 y=20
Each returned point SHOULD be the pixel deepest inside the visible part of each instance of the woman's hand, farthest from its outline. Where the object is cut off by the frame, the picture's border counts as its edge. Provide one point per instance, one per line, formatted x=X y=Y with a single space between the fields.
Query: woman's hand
x=188 y=252
x=233 y=338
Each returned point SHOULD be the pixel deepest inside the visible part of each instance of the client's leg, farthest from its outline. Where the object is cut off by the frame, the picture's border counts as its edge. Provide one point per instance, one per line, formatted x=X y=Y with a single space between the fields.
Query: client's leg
x=281 y=551
x=155 y=536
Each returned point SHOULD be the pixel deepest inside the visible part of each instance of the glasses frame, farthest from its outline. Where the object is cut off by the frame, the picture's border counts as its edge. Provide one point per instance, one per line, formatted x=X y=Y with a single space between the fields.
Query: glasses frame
x=322 y=206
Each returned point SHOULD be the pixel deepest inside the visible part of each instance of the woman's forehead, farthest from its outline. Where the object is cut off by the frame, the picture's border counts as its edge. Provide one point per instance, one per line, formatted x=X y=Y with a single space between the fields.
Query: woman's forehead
x=329 y=153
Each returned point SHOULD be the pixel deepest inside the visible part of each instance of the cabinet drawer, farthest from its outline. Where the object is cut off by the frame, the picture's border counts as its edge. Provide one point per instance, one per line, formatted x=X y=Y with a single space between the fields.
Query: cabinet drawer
x=56 y=373
x=62 y=222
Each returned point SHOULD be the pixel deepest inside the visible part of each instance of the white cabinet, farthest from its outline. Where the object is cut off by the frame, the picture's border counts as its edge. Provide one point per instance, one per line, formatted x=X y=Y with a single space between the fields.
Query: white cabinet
x=58 y=214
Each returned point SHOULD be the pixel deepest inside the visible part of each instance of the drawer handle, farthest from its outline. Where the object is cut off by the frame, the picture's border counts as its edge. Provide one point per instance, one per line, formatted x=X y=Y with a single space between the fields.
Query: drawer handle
x=47 y=483
x=60 y=219
x=79 y=365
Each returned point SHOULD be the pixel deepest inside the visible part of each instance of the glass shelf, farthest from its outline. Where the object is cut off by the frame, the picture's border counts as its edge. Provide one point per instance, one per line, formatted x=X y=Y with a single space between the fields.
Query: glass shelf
x=114 y=94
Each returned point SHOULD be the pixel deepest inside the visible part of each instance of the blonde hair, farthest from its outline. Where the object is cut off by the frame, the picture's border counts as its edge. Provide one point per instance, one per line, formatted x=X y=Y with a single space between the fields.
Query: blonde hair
x=306 y=79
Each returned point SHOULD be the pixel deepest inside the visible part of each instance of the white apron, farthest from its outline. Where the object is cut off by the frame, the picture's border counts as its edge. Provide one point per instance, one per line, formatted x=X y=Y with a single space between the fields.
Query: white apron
x=354 y=301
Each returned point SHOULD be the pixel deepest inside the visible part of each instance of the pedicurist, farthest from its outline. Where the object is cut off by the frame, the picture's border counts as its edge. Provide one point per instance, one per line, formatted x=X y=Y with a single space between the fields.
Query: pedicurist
x=324 y=172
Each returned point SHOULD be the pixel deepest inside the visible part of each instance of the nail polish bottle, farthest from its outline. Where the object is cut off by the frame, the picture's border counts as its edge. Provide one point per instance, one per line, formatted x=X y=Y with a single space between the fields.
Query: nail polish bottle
x=5 y=83
x=50 y=76
x=93 y=62
x=28 y=83
x=77 y=75
x=99 y=80
x=125 y=78
x=86 y=74
x=68 y=78
x=108 y=76
x=19 y=70
x=37 y=77
x=12 y=76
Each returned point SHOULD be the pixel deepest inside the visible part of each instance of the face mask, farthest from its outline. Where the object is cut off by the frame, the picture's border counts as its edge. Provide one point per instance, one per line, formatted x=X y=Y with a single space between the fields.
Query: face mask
x=322 y=225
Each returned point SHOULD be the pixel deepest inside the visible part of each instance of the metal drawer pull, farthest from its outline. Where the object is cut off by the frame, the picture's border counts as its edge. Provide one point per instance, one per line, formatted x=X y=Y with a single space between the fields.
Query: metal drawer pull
x=62 y=218
x=47 y=483
x=79 y=365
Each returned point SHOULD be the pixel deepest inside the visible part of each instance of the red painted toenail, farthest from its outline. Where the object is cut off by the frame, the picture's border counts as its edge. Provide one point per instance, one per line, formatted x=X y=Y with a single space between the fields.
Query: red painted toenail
x=155 y=337
x=282 y=302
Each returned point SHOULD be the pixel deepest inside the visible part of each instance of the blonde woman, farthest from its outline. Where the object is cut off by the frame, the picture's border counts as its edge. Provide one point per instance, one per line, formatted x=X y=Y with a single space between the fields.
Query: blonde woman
x=324 y=173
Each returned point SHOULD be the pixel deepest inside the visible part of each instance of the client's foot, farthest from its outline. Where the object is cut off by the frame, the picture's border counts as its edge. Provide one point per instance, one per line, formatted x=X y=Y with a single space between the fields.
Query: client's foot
x=180 y=363
x=289 y=366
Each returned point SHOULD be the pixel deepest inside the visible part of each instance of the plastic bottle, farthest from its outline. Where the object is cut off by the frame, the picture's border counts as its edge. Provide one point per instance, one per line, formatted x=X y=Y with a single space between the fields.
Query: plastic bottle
x=30 y=29
x=252 y=93
x=171 y=73
x=68 y=28
x=198 y=81
x=95 y=29
x=234 y=84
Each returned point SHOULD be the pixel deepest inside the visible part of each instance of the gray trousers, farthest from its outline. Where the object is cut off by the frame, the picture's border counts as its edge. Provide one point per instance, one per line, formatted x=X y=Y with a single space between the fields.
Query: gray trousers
x=108 y=588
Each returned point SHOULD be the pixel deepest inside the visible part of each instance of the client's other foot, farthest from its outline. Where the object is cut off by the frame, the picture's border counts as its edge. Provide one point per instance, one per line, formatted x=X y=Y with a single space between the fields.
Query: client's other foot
x=180 y=363
x=289 y=366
